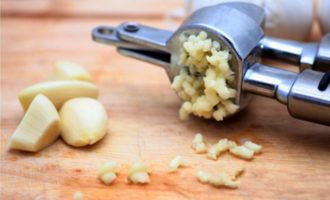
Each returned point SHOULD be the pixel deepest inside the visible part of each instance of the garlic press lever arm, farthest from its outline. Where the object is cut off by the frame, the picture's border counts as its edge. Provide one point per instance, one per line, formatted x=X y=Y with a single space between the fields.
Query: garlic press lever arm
x=141 y=42
x=307 y=94
x=307 y=55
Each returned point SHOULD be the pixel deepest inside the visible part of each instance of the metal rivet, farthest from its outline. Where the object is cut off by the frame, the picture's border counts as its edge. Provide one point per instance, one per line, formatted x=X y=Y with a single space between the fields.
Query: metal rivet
x=131 y=27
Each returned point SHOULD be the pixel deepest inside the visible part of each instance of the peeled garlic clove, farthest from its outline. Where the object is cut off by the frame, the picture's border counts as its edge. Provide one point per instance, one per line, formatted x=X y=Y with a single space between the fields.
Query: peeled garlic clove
x=66 y=70
x=84 y=121
x=58 y=92
x=39 y=127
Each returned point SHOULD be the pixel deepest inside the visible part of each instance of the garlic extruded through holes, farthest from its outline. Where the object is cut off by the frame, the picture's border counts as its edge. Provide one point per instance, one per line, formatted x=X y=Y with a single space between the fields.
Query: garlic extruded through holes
x=198 y=144
x=78 y=196
x=67 y=70
x=39 y=127
x=223 y=179
x=222 y=146
x=203 y=177
x=256 y=148
x=219 y=180
x=138 y=174
x=205 y=81
x=177 y=162
x=107 y=173
x=58 y=92
x=242 y=152
x=84 y=121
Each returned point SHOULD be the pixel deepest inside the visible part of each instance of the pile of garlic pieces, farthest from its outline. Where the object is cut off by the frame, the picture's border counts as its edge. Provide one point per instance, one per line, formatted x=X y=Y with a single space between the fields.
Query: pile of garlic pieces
x=205 y=78
x=65 y=105
x=245 y=151
x=139 y=173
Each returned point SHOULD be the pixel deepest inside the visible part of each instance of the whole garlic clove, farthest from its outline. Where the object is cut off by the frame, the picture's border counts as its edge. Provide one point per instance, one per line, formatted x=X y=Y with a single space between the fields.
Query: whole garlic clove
x=67 y=70
x=39 y=127
x=58 y=92
x=84 y=121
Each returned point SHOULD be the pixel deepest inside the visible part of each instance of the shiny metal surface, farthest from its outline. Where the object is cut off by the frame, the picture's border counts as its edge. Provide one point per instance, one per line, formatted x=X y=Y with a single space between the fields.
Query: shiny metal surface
x=323 y=54
x=269 y=81
x=307 y=55
x=245 y=41
x=306 y=101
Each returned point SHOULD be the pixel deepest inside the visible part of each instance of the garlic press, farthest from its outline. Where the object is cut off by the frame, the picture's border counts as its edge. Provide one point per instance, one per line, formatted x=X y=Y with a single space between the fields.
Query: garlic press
x=238 y=26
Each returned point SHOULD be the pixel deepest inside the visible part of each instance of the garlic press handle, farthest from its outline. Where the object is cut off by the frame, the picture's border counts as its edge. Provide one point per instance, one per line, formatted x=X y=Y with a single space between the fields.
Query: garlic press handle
x=307 y=55
x=309 y=97
x=307 y=94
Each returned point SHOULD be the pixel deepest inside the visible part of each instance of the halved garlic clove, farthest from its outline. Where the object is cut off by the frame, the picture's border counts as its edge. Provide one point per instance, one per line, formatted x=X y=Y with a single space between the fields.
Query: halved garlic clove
x=67 y=70
x=58 y=92
x=84 y=121
x=39 y=127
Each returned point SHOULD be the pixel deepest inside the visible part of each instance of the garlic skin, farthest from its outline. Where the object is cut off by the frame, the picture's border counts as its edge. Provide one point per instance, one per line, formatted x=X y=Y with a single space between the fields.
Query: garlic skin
x=84 y=121
x=324 y=16
x=67 y=70
x=58 y=92
x=284 y=19
x=39 y=127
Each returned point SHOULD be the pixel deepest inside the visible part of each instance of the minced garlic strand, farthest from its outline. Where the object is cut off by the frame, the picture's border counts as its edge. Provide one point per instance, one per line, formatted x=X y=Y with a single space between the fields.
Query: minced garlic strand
x=203 y=82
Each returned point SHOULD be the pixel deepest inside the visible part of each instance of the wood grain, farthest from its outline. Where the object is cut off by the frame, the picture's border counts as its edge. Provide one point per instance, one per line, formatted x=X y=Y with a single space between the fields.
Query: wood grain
x=89 y=8
x=144 y=125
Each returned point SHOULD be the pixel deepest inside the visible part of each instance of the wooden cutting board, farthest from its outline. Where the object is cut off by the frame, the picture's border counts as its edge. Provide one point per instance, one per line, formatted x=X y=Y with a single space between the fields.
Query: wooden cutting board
x=144 y=126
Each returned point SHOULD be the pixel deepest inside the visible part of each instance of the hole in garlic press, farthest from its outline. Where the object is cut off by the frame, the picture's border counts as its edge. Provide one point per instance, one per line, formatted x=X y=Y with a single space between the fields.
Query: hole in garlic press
x=105 y=31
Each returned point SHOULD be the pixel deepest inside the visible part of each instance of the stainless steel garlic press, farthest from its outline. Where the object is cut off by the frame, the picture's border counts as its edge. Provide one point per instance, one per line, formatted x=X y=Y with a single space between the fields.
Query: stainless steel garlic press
x=238 y=26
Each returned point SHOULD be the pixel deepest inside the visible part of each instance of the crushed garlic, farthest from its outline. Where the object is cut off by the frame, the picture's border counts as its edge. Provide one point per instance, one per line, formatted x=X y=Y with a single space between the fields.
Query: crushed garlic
x=177 y=162
x=253 y=146
x=138 y=174
x=223 y=179
x=242 y=152
x=198 y=144
x=222 y=146
x=107 y=173
x=204 y=81
x=78 y=196
x=203 y=177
